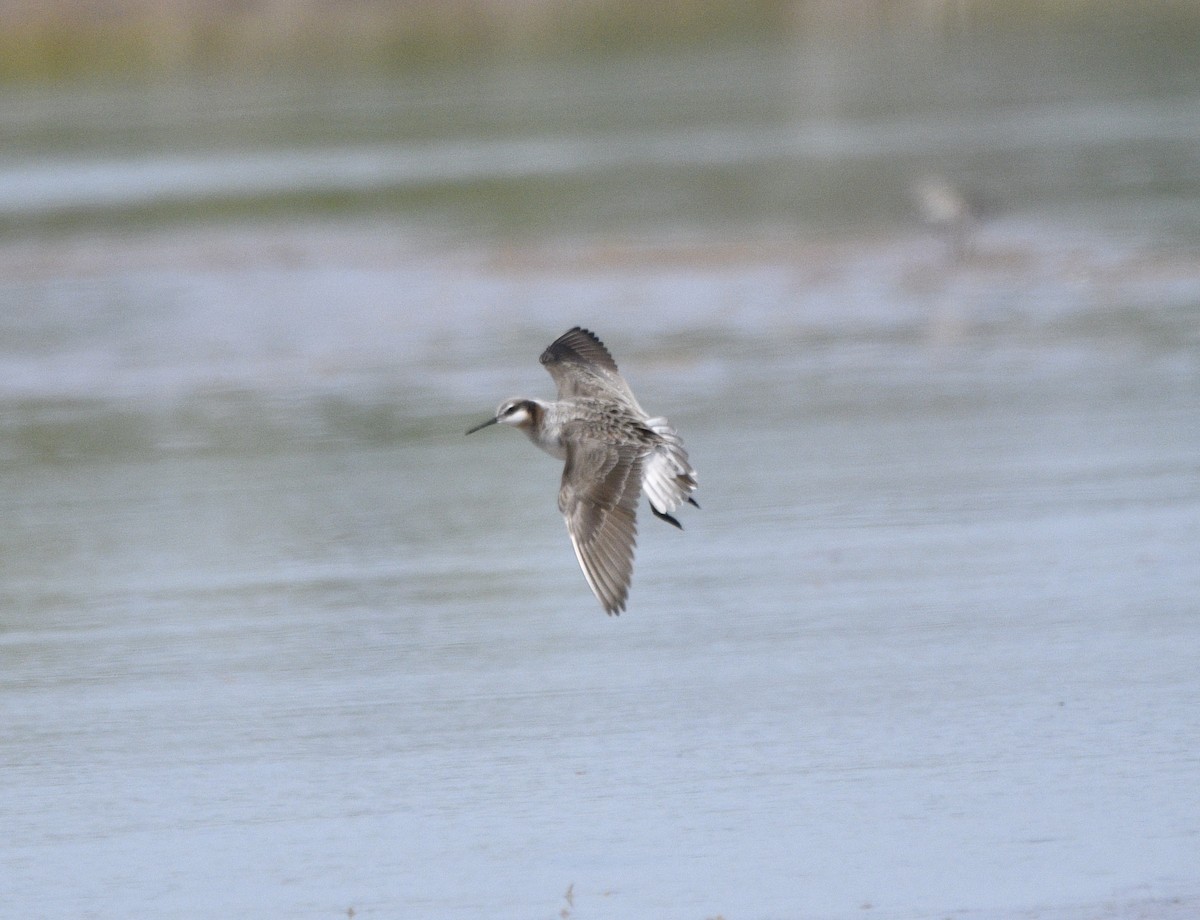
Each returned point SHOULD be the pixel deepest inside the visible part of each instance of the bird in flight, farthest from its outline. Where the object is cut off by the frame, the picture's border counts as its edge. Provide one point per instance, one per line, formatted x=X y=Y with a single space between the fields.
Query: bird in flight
x=613 y=452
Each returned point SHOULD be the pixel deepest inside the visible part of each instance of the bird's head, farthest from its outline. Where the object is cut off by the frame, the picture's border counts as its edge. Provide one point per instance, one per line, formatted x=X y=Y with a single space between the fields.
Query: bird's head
x=518 y=412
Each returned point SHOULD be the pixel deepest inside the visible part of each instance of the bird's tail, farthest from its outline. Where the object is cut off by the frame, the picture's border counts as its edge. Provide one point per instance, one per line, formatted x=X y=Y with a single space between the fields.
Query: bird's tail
x=668 y=478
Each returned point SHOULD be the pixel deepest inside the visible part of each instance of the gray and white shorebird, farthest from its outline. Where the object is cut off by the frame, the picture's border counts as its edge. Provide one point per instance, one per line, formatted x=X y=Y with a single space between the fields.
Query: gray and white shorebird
x=614 y=451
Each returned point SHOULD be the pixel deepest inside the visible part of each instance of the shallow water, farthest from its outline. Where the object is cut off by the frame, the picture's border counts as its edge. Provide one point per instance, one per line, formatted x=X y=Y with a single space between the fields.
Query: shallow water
x=275 y=637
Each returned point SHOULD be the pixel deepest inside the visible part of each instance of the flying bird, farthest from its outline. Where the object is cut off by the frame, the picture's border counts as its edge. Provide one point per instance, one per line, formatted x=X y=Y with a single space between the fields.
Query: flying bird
x=613 y=452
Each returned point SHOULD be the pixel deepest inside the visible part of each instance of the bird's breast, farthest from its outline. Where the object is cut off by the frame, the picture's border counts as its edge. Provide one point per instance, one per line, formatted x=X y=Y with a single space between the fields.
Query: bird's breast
x=549 y=440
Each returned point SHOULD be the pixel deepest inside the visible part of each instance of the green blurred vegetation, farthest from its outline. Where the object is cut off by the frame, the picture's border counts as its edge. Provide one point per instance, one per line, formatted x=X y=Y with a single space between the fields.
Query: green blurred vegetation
x=57 y=39
x=62 y=39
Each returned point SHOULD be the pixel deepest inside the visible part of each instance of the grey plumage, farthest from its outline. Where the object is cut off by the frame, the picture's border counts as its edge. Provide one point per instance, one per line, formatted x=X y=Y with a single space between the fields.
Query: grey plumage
x=613 y=451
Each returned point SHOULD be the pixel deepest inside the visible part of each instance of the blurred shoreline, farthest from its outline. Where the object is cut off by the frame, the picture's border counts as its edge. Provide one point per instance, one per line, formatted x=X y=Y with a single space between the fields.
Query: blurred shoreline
x=66 y=39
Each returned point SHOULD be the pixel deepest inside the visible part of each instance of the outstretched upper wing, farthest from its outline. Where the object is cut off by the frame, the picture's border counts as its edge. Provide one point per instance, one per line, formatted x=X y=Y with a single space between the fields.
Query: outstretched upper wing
x=582 y=366
x=599 y=494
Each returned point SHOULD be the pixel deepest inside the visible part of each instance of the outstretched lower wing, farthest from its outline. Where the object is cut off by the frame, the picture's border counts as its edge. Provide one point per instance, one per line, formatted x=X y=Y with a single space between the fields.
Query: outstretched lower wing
x=601 y=483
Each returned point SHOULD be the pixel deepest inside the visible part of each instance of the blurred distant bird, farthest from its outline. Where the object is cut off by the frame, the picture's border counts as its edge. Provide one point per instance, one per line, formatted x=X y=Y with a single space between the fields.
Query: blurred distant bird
x=613 y=450
x=948 y=210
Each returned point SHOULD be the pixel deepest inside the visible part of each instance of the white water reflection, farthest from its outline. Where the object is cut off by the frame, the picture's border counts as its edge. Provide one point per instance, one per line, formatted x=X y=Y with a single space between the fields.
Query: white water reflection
x=47 y=184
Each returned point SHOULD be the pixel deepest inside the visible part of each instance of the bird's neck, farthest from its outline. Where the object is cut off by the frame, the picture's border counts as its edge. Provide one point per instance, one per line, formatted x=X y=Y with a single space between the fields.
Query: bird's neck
x=545 y=431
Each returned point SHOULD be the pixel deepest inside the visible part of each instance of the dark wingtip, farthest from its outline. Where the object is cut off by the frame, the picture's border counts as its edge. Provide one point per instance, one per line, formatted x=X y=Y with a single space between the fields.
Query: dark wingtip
x=614 y=609
x=663 y=516
x=579 y=344
x=693 y=502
